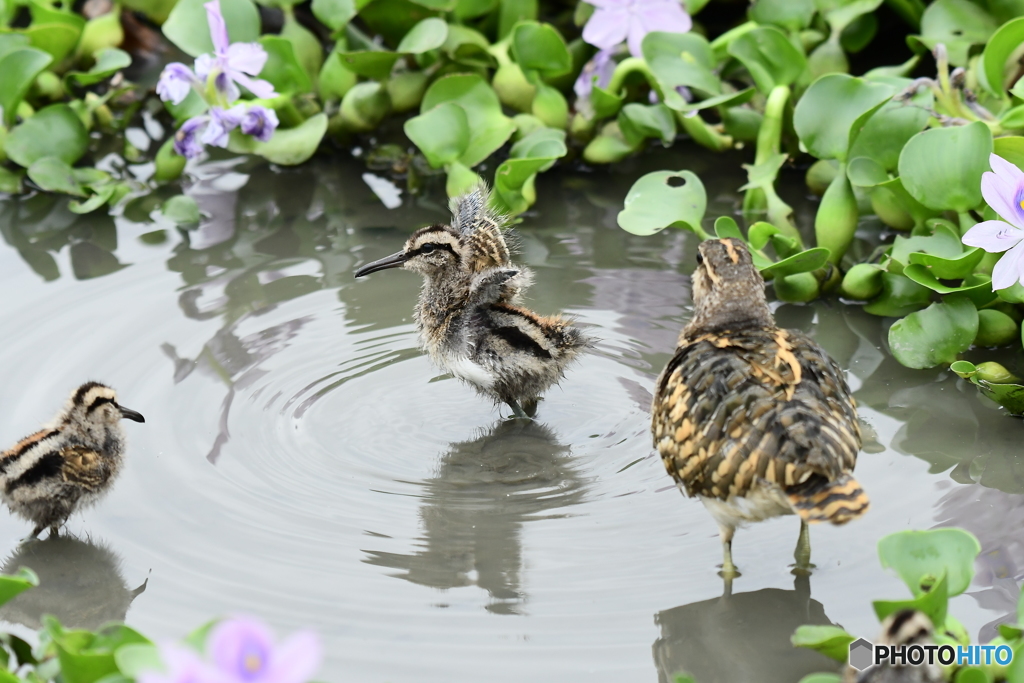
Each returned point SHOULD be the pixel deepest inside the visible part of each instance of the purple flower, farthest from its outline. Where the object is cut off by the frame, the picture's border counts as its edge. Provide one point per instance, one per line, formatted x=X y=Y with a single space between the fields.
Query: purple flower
x=617 y=20
x=259 y=122
x=244 y=651
x=222 y=122
x=186 y=140
x=176 y=80
x=182 y=666
x=1003 y=189
x=600 y=69
x=230 y=63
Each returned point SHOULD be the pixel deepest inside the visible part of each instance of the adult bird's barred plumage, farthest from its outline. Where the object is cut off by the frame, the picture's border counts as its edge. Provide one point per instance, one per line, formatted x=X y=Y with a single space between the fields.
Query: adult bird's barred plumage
x=755 y=420
x=70 y=463
x=468 y=315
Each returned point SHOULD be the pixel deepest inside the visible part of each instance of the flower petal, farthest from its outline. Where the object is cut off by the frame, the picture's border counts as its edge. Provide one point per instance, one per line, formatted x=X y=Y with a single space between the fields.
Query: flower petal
x=232 y=642
x=993 y=236
x=260 y=88
x=259 y=122
x=176 y=81
x=1005 y=169
x=248 y=58
x=1001 y=195
x=297 y=659
x=204 y=65
x=664 y=16
x=186 y=140
x=218 y=28
x=636 y=36
x=1010 y=268
x=607 y=28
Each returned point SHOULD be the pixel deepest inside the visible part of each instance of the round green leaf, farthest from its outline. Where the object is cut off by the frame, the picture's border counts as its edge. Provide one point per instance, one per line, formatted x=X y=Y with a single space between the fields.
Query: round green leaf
x=58 y=39
x=900 y=296
x=14 y=584
x=677 y=59
x=442 y=133
x=489 y=128
x=936 y=335
x=289 y=146
x=957 y=24
x=375 y=64
x=942 y=167
x=918 y=556
x=283 y=70
x=792 y=15
x=639 y=121
x=888 y=130
x=55 y=175
x=769 y=57
x=830 y=641
x=18 y=70
x=187 y=27
x=55 y=131
x=826 y=115
x=429 y=34
x=934 y=604
x=334 y=14
x=181 y=209
x=135 y=659
x=1010 y=148
x=804 y=262
x=662 y=199
x=998 y=50
x=540 y=47
x=108 y=62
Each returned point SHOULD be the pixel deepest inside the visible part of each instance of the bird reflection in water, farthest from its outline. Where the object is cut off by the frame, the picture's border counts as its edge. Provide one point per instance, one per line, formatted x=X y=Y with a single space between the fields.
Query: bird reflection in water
x=741 y=637
x=475 y=507
x=80 y=582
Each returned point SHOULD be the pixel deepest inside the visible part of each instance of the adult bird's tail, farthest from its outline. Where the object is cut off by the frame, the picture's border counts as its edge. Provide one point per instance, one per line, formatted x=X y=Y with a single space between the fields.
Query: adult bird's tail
x=821 y=500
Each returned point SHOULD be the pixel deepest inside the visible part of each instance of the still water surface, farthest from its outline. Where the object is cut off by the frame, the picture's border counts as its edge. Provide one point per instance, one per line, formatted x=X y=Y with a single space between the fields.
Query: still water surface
x=303 y=461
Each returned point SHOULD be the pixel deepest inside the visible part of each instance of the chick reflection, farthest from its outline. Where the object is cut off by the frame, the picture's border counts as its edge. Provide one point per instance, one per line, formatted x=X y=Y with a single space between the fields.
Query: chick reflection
x=80 y=583
x=475 y=507
x=741 y=637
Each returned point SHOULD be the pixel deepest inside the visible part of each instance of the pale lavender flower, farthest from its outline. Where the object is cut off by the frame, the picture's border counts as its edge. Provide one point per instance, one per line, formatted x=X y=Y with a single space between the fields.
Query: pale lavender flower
x=614 y=21
x=182 y=665
x=244 y=650
x=176 y=81
x=259 y=122
x=1003 y=189
x=221 y=123
x=230 y=62
x=186 y=140
x=598 y=71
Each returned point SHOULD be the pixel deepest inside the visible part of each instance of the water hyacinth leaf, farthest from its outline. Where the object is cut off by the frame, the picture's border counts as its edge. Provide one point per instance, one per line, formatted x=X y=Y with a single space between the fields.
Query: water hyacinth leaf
x=825 y=116
x=936 y=335
x=55 y=175
x=978 y=288
x=374 y=64
x=728 y=99
x=792 y=15
x=55 y=131
x=831 y=641
x=680 y=59
x=920 y=557
x=442 y=133
x=1010 y=148
x=957 y=24
x=934 y=603
x=334 y=14
x=186 y=26
x=437 y=5
x=605 y=103
x=511 y=12
x=137 y=658
x=489 y=128
x=759 y=234
x=283 y=69
x=429 y=34
x=57 y=39
x=540 y=143
x=662 y=199
x=18 y=70
x=108 y=62
x=11 y=181
x=998 y=50
x=942 y=167
x=995 y=328
x=725 y=226
x=949 y=268
x=289 y=146
x=866 y=172
x=639 y=121
x=804 y=262
x=1007 y=393
x=890 y=128
x=821 y=678
x=87 y=657
x=181 y=209
x=12 y=41
x=540 y=47
x=470 y=9
x=93 y=203
x=12 y=585
x=769 y=57
x=900 y=296
x=308 y=51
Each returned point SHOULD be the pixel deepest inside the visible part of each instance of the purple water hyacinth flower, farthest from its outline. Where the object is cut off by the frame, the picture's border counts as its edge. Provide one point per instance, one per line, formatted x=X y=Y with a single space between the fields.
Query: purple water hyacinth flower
x=221 y=122
x=614 y=21
x=259 y=122
x=182 y=666
x=176 y=81
x=1003 y=190
x=598 y=71
x=232 y=63
x=244 y=650
x=186 y=140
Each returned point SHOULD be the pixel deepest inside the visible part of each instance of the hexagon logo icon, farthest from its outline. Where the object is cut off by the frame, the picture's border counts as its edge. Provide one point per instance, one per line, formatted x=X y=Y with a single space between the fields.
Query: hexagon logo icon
x=861 y=654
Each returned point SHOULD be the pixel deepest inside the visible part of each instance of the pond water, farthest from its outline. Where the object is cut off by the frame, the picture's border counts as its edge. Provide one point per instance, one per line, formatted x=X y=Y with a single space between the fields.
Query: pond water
x=304 y=462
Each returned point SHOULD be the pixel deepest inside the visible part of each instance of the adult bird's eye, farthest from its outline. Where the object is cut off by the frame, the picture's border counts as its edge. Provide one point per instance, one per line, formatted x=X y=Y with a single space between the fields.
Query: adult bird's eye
x=700 y=259
x=427 y=248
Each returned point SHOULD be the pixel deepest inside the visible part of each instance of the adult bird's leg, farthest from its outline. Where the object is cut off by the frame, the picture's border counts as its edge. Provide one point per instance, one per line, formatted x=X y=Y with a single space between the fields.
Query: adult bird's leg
x=520 y=414
x=729 y=571
x=802 y=554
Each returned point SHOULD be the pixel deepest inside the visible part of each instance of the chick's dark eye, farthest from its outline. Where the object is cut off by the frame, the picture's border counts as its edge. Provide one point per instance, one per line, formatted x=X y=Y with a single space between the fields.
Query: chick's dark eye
x=700 y=259
x=427 y=248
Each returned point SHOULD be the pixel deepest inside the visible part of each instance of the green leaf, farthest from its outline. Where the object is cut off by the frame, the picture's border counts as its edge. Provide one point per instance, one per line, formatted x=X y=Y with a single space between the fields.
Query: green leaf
x=830 y=641
x=137 y=658
x=900 y=296
x=680 y=59
x=108 y=62
x=283 y=70
x=936 y=335
x=934 y=603
x=429 y=34
x=334 y=14
x=769 y=57
x=957 y=24
x=866 y=172
x=442 y=133
x=55 y=131
x=489 y=128
x=87 y=657
x=606 y=104
x=12 y=41
x=374 y=64
x=804 y=262
x=942 y=167
x=58 y=39
x=826 y=115
x=540 y=47
x=922 y=556
x=759 y=234
x=725 y=226
x=12 y=585
x=55 y=175
x=309 y=53
x=994 y=73
x=792 y=15
x=890 y=128
x=949 y=268
x=289 y=146
x=102 y=196
x=977 y=288
x=639 y=121
x=821 y=678
x=18 y=70
x=181 y=209
x=662 y=199
x=187 y=27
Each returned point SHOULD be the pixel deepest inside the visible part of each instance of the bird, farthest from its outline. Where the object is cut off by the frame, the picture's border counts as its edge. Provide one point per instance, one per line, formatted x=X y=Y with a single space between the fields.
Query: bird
x=70 y=463
x=904 y=627
x=755 y=420
x=468 y=316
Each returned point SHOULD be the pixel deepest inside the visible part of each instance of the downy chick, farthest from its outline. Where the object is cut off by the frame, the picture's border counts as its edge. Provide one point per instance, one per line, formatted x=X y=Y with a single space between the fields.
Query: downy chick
x=70 y=463
x=468 y=317
x=755 y=420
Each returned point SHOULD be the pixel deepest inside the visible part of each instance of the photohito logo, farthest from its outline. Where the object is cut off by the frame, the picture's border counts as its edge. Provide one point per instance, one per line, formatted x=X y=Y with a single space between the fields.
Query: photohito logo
x=864 y=654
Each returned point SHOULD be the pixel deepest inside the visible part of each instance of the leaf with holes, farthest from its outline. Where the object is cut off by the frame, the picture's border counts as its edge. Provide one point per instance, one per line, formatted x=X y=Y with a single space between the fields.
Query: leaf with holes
x=662 y=199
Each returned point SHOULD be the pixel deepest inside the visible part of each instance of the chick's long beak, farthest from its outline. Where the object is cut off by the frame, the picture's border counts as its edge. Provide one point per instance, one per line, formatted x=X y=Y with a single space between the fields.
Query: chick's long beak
x=131 y=414
x=393 y=261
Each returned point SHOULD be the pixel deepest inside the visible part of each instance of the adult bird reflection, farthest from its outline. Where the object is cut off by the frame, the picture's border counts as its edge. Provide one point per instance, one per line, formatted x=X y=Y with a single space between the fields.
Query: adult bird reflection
x=741 y=637
x=80 y=582
x=475 y=507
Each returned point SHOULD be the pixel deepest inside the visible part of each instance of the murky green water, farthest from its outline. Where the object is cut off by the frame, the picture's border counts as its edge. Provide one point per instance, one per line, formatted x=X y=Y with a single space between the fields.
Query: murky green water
x=302 y=461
